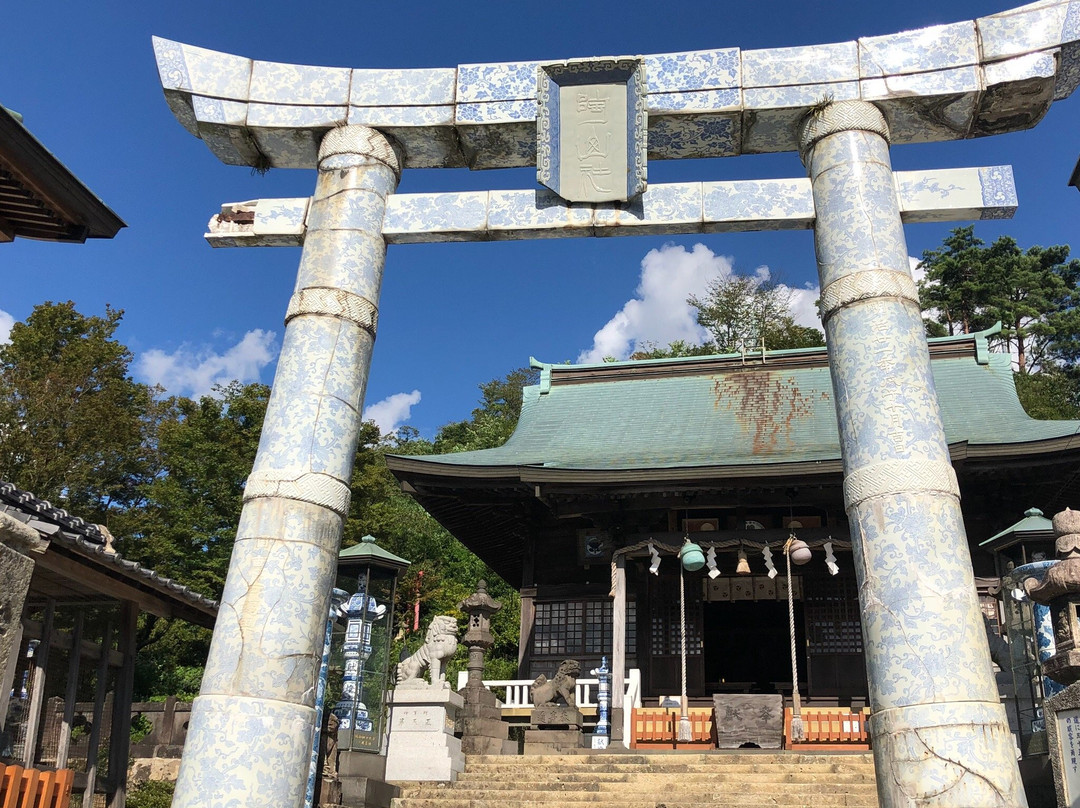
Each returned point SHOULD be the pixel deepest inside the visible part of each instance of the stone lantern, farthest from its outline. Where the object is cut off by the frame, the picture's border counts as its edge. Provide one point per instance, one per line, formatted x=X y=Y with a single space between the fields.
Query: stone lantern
x=484 y=731
x=1060 y=590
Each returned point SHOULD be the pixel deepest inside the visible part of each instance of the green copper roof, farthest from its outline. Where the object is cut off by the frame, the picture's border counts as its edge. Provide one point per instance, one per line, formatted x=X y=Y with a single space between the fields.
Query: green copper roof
x=366 y=551
x=736 y=411
x=1033 y=525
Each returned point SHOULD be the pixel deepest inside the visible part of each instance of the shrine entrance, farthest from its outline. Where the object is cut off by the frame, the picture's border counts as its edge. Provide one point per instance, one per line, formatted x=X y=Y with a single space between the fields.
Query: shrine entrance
x=747 y=648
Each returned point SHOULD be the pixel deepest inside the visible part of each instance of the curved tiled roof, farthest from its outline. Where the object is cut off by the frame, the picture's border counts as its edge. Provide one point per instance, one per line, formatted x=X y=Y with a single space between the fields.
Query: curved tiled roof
x=86 y=539
x=726 y=411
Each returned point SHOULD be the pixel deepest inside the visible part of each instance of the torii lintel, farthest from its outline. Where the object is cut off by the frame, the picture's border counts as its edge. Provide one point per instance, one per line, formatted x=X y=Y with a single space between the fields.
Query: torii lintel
x=987 y=76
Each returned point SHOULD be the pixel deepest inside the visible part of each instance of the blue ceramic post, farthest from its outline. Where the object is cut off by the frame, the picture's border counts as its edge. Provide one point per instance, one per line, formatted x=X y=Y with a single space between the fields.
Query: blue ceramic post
x=252 y=725
x=940 y=734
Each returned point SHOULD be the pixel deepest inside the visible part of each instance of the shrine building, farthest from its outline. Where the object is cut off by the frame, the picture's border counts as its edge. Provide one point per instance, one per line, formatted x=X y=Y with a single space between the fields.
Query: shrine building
x=736 y=452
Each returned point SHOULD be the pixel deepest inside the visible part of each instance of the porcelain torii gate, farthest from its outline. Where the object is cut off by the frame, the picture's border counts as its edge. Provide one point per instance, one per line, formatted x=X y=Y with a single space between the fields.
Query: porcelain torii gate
x=940 y=735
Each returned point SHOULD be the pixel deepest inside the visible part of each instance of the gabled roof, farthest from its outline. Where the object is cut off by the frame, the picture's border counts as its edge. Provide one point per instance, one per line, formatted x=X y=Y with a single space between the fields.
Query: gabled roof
x=39 y=196
x=736 y=411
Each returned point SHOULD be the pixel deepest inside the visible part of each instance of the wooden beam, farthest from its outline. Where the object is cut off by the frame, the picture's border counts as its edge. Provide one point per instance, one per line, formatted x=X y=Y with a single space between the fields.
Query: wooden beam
x=92 y=576
x=62 y=640
x=120 y=737
x=74 y=657
x=618 y=633
x=37 y=688
x=94 y=741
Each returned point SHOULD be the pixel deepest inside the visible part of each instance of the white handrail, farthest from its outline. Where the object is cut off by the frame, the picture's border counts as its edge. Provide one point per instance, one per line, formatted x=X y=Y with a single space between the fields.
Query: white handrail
x=518 y=695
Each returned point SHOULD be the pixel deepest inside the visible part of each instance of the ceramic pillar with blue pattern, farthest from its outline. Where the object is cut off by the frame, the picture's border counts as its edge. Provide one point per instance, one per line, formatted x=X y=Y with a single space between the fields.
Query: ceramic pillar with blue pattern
x=940 y=734
x=252 y=725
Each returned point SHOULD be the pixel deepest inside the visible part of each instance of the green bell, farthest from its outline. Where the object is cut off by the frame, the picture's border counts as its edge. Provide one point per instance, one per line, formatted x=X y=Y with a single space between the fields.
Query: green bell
x=691 y=556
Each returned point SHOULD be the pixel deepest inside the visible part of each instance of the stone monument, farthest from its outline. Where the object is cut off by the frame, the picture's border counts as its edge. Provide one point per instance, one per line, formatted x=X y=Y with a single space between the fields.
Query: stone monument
x=483 y=730
x=423 y=714
x=841 y=106
x=555 y=723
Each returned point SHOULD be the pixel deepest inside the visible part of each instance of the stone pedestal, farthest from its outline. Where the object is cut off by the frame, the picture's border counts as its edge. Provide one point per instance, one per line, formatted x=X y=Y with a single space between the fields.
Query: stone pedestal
x=422 y=743
x=363 y=780
x=555 y=728
x=484 y=731
x=1062 y=715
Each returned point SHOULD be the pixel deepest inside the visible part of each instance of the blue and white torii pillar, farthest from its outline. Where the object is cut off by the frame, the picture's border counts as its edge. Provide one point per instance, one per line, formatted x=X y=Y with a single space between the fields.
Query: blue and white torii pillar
x=940 y=735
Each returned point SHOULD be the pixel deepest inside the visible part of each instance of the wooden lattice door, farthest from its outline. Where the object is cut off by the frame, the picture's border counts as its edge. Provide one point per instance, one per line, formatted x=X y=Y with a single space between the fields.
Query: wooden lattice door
x=660 y=638
x=834 y=642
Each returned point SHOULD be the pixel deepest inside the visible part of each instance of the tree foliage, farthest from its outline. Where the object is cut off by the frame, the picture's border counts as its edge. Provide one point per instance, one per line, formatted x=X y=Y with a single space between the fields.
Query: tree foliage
x=76 y=429
x=1033 y=293
x=744 y=313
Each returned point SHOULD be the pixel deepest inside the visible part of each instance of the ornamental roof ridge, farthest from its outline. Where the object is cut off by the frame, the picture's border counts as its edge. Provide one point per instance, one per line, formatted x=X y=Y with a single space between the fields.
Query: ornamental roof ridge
x=972 y=344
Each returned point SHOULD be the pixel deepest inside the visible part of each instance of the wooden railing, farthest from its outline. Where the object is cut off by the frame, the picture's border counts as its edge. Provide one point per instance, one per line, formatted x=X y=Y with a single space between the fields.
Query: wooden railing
x=829 y=728
x=657 y=728
x=33 y=788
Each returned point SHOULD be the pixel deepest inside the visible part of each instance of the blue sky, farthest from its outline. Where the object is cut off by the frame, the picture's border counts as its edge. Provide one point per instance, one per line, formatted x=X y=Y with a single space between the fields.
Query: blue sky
x=451 y=315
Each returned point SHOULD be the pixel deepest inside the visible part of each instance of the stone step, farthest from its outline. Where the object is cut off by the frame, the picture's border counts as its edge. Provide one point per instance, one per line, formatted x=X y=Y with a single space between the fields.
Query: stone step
x=716 y=800
x=723 y=758
x=652 y=785
x=630 y=782
x=511 y=771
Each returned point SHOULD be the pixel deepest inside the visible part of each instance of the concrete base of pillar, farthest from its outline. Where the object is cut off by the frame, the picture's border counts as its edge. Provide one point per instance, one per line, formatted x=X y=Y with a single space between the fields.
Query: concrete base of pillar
x=422 y=745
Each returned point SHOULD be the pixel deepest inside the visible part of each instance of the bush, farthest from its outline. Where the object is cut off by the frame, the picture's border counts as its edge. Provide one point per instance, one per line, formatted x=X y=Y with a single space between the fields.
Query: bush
x=151 y=794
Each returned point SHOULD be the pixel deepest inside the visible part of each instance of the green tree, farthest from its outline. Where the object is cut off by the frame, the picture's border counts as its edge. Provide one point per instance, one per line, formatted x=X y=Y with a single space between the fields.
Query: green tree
x=956 y=289
x=493 y=422
x=1033 y=293
x=77 y=429
x=743 y=313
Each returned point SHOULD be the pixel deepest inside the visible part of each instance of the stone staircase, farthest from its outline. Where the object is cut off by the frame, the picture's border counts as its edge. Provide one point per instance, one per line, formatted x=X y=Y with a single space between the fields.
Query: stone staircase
x=655 y=780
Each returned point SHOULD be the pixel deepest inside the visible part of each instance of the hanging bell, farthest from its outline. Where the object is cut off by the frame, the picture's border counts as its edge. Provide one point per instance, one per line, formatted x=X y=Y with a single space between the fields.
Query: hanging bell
x=743 y=567
x=692 y=557
x=799 y=551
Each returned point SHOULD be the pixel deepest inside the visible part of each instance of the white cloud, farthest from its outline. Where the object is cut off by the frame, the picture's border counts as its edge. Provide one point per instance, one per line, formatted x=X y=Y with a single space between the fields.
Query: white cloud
x=804 y=306
x=392 y=411
x=916 y=273
x=194 y=372
x=6 y=322
x=660 y=313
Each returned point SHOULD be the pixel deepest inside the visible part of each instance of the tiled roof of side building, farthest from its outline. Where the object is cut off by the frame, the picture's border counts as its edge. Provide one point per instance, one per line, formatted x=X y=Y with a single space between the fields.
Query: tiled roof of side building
x=738 y=411
x=88 y=540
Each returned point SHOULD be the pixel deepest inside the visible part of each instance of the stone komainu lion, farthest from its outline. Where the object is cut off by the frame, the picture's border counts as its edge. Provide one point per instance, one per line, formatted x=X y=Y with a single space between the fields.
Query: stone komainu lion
x=564 y=683
x=440 y=643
